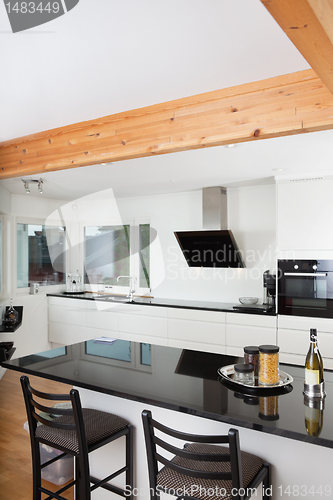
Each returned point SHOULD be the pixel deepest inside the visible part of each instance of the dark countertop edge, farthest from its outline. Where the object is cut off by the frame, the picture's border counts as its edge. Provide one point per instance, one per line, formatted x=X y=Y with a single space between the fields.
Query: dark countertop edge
x=173 y=304
x=182 y=409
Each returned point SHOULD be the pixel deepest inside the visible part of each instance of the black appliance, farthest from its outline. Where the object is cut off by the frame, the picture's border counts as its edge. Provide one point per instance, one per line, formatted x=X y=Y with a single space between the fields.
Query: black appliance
x=305 y=288
x=209 y=248
x=269 y=283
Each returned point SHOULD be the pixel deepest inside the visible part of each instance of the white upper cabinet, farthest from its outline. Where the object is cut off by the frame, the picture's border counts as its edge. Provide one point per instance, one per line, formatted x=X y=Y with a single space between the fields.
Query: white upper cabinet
x=305 y=214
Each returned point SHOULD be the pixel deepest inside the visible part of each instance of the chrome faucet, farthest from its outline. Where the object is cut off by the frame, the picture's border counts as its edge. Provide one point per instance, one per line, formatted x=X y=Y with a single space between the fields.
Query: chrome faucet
x=132 y=281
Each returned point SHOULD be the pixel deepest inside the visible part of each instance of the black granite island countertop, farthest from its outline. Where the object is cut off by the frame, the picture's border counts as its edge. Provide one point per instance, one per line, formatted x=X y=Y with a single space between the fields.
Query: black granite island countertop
x=261 y=309
x=184 y=381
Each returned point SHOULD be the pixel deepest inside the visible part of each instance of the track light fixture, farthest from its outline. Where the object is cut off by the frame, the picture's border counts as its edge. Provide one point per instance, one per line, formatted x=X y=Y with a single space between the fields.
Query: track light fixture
x=39 y=183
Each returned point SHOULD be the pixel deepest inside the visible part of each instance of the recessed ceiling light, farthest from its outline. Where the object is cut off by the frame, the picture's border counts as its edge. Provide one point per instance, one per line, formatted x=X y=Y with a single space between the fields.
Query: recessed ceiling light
x=230 y=146
x=279 y=169
x=103 y=163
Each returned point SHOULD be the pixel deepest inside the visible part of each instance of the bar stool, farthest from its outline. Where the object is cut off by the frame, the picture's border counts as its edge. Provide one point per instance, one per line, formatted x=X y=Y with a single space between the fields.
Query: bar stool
x=75 y=431
x=200 y=470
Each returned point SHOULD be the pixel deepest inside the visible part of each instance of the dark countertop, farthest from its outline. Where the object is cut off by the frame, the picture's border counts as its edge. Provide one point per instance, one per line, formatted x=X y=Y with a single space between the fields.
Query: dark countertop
x=185 y=381
x=180 y=304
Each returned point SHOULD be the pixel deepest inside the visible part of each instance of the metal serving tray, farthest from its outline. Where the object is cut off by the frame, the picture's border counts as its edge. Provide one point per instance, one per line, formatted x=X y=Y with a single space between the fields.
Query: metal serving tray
x=227 y=374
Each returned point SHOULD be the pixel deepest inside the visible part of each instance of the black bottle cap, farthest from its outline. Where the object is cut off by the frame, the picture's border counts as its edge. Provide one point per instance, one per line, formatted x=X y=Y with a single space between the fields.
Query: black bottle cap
x=269 y=349
x=251 y=349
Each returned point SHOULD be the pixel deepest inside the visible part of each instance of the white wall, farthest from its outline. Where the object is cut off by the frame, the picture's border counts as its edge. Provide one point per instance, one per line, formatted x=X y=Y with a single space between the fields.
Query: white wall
x=251 y=213
x=5 y=201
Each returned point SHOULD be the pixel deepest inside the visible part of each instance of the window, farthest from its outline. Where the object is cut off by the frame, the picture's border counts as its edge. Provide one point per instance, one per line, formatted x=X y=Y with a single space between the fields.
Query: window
x=113 y=251
x=41 y=255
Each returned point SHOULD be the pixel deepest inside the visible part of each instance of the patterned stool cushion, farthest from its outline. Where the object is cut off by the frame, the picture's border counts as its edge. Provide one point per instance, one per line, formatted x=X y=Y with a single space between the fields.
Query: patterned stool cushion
x=98 y=425
x=206 y=489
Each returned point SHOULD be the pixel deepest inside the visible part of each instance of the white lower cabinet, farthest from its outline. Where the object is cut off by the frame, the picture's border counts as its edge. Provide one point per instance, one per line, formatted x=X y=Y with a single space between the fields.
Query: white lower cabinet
x=248 y=329
x=294 y=338
x=143 y=323
x=196 y=329
x=77 y=320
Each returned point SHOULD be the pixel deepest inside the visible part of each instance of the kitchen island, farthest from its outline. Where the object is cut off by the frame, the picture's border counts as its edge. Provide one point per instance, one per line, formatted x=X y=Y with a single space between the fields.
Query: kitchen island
x=183 y=389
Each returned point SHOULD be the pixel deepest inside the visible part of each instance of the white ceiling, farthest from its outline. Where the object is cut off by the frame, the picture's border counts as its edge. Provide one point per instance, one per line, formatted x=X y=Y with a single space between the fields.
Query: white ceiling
x=114 y=55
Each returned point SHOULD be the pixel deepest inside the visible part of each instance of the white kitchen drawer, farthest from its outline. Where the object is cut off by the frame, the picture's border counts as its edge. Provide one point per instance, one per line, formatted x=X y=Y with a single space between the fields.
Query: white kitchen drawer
x=148 y=339
x=146 y=325
x=100 y=305
x=66 y=302
x=297 y=342
x=106 y=320
x=234 y=351
x=240 y=335
x=196 y=346
x=67 y=315
x=196 y=331
x=160 y=312
x=251 y=320
x=304 y=323
x=196 y=315
x=70 y=334
x=297 y=359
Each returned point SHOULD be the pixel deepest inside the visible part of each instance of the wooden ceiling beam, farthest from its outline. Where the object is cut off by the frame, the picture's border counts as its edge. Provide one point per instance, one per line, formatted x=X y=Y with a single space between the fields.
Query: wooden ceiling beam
x=309 y=25
x=280 y=106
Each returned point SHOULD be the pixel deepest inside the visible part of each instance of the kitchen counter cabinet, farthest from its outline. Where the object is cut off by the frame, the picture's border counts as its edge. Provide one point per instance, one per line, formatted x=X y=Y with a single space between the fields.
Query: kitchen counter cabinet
x=303 y=208
x=141 y=323
x=294 y=338
x=194 y=329
x=103 y=316
x=198 y=329
x=242 y=330
x=67 y=321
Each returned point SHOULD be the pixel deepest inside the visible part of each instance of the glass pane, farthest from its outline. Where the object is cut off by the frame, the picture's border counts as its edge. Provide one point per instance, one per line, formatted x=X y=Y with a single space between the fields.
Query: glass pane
x=54 y=353
x=107 y=254
x=145 y=354
x=120 y=350
x=144 y=255
x=35 y=243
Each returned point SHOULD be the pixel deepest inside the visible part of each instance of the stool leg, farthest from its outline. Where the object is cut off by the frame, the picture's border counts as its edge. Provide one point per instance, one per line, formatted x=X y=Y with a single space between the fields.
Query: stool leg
x=84 y=477
x=267 y=482
x=36 y=473
x=77 y=477
x=129 y=460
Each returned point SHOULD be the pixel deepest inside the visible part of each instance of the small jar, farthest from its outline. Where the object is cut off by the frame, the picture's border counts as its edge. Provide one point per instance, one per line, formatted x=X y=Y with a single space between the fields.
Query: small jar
x=244 y=373
x=269 y=365
x=251 y=357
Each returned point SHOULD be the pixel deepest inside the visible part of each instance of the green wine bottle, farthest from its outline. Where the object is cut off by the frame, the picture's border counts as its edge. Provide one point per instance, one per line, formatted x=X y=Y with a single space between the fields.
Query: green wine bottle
x=314 y=372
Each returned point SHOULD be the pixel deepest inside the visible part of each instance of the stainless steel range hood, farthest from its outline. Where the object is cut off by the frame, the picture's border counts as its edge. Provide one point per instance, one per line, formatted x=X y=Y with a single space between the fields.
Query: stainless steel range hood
x=215 y=245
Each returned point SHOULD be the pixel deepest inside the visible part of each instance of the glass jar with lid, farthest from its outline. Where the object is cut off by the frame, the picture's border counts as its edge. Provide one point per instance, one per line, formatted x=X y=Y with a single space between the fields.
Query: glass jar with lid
x=251 y=357
x=269 y=365
x=244 y=373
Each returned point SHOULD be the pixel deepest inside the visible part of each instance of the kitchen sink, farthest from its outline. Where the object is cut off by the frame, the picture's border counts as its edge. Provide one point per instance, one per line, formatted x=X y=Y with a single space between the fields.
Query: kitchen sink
x=113 y=298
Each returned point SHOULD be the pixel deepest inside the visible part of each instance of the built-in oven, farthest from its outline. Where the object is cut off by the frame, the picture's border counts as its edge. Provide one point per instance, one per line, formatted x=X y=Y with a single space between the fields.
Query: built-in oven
x=305 y=288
